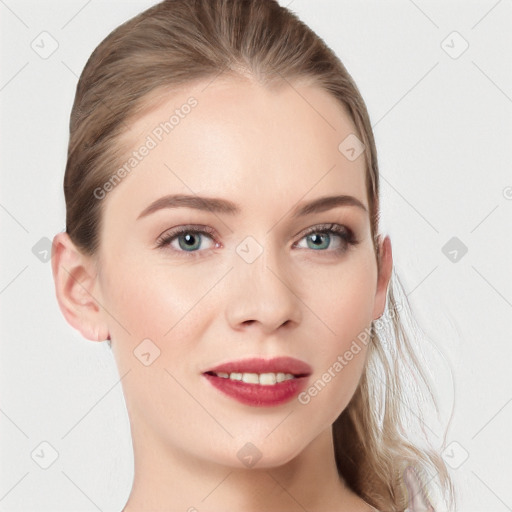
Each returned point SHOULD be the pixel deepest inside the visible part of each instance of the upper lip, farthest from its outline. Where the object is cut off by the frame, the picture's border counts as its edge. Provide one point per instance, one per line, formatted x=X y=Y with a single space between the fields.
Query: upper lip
x=260 y=365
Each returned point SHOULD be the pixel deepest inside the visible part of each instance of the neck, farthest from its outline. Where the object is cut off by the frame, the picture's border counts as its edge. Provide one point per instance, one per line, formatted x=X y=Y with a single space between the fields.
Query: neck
x=169 y=479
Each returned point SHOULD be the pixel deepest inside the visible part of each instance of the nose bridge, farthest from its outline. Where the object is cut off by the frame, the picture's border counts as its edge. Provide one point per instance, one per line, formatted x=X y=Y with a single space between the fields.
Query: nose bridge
x=264 y=286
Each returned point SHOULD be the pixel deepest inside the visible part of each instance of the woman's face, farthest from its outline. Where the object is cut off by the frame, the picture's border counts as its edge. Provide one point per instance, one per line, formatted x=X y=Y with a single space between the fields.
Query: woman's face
x=252 y=284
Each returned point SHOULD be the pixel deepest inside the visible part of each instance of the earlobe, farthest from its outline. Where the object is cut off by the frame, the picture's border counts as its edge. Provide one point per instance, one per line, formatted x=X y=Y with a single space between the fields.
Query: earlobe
x=384 y=276
x=76 y=288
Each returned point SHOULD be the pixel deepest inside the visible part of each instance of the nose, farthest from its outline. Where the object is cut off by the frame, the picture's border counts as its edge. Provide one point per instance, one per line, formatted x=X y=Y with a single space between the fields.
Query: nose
x=263 y=294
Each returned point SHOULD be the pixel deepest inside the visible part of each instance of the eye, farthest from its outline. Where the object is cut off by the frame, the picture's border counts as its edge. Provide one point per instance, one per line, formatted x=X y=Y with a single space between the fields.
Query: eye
x=319 y=238
x=187 y=238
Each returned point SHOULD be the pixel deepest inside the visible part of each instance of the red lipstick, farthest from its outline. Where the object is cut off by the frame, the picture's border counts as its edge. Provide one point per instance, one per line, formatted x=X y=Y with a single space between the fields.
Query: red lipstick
x=271 y=381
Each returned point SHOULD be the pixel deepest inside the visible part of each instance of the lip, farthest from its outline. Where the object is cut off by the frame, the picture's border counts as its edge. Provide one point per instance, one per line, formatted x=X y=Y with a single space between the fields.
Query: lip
x=260 y=365
x=258 y=395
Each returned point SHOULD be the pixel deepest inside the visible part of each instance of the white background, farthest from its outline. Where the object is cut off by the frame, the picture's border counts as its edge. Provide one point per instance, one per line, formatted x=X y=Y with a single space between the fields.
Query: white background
x=443 y=128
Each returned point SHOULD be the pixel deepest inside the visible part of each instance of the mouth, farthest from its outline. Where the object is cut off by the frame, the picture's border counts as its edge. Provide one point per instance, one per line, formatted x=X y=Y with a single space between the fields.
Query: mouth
x=262 y=371
x=260 y=382
x=264 y=379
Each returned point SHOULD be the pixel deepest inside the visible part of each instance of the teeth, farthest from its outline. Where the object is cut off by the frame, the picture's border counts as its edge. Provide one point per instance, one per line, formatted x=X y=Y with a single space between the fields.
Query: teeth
x=265 y=379
x=251 y=378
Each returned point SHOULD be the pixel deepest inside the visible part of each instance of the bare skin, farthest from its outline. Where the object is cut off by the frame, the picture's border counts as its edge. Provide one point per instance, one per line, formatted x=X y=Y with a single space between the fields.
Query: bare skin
x=265 y=150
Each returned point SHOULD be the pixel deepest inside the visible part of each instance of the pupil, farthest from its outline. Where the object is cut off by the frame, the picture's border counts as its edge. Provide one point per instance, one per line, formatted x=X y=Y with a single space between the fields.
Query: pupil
x=317 y=241
x=189 y=240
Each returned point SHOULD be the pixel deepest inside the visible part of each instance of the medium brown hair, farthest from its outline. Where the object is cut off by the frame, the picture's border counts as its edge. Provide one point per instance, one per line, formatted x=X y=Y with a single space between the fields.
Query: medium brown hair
x=177 y=42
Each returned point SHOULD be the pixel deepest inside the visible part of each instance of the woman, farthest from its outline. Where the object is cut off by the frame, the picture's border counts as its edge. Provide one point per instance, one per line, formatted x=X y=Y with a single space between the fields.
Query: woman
x=222 y=197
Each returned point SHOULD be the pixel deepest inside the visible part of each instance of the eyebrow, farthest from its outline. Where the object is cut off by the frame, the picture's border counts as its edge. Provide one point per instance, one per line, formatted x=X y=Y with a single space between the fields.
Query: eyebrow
x=218 y=205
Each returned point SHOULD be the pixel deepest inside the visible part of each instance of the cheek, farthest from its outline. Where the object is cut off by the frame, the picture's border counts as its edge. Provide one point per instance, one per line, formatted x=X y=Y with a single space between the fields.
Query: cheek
x=344 y=303
x=343 y=298
x=152 y=300
x=159 y=304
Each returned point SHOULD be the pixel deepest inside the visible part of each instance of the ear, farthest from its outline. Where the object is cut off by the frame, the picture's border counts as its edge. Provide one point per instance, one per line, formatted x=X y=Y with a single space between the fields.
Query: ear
x=384 y=275
x=77 y=289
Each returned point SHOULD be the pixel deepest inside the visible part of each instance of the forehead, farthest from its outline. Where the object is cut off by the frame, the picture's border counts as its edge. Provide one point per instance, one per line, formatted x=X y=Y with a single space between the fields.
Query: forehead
x=239 y=139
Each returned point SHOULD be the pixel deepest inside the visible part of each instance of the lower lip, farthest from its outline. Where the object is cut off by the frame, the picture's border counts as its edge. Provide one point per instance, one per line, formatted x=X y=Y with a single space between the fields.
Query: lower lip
x=258 y=395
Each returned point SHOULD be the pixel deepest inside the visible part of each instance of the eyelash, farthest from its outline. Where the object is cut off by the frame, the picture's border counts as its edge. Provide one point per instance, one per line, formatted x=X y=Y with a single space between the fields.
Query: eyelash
x=344 y=233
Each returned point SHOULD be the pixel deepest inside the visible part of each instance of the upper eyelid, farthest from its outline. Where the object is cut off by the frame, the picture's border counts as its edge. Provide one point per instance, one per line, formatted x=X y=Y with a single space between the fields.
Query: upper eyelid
x=206 y=229
x=187 y=227
x=325 y=227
